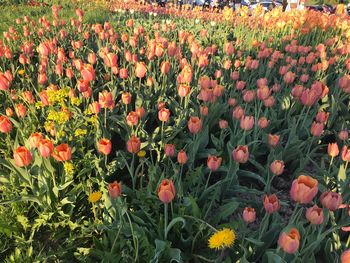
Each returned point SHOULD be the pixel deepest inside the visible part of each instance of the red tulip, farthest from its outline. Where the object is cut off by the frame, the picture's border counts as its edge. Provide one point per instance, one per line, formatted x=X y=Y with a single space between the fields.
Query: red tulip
x=249 y=215
x=5 y=124
x=114 y=189
x=182 y=157
x=194 y=124
x=213 y=162
x=133 y=145
x=345 y=154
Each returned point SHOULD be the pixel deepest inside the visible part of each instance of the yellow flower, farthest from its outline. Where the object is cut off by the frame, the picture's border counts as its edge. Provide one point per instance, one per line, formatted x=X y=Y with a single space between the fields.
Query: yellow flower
x=95 y=196
x=222 y=239
x=21 y=71
x=141 y=154
x=68 y=168
x=80 y=132
x=75 y=101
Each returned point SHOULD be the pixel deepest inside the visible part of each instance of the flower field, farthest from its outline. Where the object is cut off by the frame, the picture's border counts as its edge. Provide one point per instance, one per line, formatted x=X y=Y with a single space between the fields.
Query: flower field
x=167 y=135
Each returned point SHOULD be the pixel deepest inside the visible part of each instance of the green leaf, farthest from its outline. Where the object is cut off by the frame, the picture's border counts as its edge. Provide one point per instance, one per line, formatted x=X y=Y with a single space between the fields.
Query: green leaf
x=272 y=257
x=227 y=209
x=342 y=173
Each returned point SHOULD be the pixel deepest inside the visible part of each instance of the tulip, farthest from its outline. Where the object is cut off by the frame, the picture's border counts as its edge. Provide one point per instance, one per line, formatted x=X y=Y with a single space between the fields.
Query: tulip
x=88 y=72
x=5 y=124
x=123 y=73
x=314 y=215
x=4 y=82
x=304 y=189
x=169 y=150
x=333 y=149
x=140 y=70
x=240 y=154
x=28 y=97
x=95 y=107
x=322 y=116
x=22 y=156
x=203 y=110
x=247 y=123
x=132 y=119
x=9 y=112
x=114 y=189
x=182 y=157
x=140 y=111
x=249 y=215
x=263 y=122
x=21 y=110
x=271 y=203
x=317 y=129
x=105 y=99
x=62 y=153
x=263 y=93
x=289 y=241
x=238 y=113
x=126 y=98
x=345 y=256
x=45 y=147
x=104 y=146
x=331 y=200
x=223 y=124
x=273 y=140
x=214 y=162
x=343 y=135
x=183 y=90
x=194 y=124
x=277 y=167
x=345 y=154
x=133 y=145
x=163 y=115
x=166 y=191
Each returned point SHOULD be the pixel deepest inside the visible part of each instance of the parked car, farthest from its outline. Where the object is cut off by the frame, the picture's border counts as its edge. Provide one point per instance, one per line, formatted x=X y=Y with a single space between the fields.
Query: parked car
x=322 y=8
x=266 y=4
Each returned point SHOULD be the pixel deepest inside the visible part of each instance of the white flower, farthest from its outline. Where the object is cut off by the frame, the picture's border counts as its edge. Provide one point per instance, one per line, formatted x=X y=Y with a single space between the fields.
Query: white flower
x=154 y=14
x=131 y=11
x=196 y=21
x=168 y=21
x=213 y=23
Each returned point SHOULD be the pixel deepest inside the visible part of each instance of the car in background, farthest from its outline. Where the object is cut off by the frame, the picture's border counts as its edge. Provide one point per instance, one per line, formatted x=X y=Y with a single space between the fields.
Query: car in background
x=266 y=4
x=322 y=8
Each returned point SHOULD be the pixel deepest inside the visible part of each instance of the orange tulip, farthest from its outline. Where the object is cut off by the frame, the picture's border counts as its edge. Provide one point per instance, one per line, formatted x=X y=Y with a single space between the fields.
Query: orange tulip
x=45 y=147
x=304 y=189
x=133 y=145
x=345 y=154
x=240 y=154
x=247 y=123
x=277 y=167
x=62 y=153
x=140 y=70
x=166 y=191
x=132 y=119
x=331 y=200
x=333 y=149
x=104 y=146
x=273 y=140
x=194 y=124
x=22 y=156
x=163 y=115
x=314 y=215
x=182 y=157
x=345 y=256
x=289 y=241
x=5 y=124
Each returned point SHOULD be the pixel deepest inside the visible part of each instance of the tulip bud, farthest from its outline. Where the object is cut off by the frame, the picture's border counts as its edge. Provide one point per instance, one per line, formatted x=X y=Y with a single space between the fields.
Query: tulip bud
x=263 y=122
x=317 y=129
x=194 y=124
x=45 y=147
x=169 y=150
x=166 y=191
x=182 y=157
x=5 y=124
x=277 y=167
x=345 y=154
x=331 y=200
x=163 y=115
x=273 y=140
x=343 y=135
x=314 y=215
x=22 y=156
x=271 y=203
x=249 y=215
x=62 y=153
x=214 y=162
x=223 y=124
x=133 y=144
x=114 y=189
x=333 y=149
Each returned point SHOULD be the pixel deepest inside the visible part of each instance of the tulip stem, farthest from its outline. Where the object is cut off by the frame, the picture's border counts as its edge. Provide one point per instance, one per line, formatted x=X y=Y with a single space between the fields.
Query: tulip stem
x=206 y=185
x=105 y=118
x=165 y=221
x=294 y=213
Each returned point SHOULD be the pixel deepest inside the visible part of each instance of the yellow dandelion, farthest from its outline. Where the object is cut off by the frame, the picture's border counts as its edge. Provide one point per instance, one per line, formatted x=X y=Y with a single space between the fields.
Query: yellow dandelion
x=141 y=154
x=95 y=196
x=21 y=71
x=80 y=132
x=222 y=239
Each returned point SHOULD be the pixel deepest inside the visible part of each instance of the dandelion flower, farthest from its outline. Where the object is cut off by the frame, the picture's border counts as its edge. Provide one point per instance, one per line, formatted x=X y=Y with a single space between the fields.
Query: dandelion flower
x=95 y=196
x=222 y=239
x=141 y=154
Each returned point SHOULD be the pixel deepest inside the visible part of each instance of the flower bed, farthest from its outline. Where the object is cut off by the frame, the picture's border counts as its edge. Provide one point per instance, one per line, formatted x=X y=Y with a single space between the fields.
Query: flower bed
x=166 y=138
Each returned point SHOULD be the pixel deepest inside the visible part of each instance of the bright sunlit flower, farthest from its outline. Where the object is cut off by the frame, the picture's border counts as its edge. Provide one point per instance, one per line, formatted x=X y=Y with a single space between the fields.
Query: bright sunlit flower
x=222 y=239
x=95 y=197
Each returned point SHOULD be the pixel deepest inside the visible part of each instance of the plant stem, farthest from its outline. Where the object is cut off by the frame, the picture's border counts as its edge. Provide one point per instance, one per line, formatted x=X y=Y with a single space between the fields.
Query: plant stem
x=165 y=221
